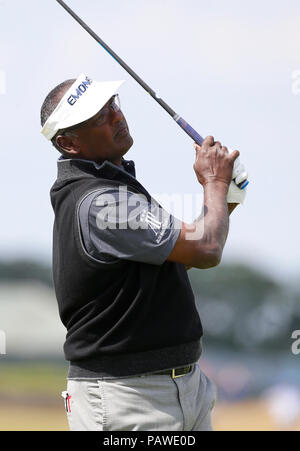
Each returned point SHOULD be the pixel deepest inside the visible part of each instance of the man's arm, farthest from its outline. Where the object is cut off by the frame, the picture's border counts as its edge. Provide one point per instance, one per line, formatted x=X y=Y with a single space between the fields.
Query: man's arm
x=122 y=224
x=231 y=207
x=149 y=234
x=201 y=243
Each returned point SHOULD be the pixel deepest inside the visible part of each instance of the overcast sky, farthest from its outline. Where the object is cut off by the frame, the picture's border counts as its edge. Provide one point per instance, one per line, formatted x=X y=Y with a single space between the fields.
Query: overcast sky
x=226 y=67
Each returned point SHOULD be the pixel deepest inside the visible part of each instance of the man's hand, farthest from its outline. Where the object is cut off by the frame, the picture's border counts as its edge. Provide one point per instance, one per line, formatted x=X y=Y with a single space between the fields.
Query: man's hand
x=200 y=244
x=213 y=162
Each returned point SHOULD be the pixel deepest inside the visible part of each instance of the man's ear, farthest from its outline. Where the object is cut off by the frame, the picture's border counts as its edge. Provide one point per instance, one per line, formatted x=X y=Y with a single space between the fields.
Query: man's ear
x=68 y=143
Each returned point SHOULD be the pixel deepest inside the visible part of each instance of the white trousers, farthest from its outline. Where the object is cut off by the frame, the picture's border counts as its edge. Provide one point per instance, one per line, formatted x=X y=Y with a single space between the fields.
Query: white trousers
x=144 y=403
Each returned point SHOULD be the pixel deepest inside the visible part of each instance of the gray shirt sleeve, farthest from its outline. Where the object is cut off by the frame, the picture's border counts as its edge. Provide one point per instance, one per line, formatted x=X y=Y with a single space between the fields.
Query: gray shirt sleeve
x=120 y=224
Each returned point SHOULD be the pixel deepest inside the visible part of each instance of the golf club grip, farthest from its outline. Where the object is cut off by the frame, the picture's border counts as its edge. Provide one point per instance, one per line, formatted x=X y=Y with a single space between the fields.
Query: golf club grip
x=199 y=140
x=189 y=130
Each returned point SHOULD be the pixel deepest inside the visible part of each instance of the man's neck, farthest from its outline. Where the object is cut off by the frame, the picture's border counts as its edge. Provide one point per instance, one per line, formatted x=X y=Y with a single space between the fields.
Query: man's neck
x=117 y=162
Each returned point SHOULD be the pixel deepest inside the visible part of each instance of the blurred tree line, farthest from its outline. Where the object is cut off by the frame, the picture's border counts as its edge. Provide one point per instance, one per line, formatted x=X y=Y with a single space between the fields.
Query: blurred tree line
x=239 y=306
x=26 y=270
x=243 y=308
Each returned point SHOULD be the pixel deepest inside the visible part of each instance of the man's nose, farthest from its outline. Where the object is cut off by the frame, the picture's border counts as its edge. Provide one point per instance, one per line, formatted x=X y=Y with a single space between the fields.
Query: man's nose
x=116 y=116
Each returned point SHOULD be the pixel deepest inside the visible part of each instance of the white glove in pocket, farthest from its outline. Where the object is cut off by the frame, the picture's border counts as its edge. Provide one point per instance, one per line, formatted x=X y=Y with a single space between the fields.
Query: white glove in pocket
x=239 y=174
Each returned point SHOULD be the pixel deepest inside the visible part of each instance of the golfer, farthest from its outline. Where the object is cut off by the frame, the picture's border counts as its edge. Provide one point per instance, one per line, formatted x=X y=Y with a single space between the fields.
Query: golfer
x=120 y=269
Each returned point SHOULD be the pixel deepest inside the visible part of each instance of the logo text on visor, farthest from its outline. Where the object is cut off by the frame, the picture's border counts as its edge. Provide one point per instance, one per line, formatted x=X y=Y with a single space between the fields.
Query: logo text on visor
x=80 y=90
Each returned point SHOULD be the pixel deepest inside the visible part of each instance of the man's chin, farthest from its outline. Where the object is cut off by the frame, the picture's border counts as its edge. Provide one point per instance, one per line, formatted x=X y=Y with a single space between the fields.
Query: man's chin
x=128 y=144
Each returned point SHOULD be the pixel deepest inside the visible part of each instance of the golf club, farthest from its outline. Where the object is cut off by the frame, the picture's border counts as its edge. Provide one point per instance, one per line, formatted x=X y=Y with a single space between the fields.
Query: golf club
x=180 y=121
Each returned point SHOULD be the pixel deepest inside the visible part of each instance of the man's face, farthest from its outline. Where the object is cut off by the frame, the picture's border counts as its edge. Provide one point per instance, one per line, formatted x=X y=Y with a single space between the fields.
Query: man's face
x=103 y=137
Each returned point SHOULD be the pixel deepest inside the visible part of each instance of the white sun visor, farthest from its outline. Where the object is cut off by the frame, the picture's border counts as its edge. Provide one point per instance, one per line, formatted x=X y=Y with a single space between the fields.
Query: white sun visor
x=81 y=102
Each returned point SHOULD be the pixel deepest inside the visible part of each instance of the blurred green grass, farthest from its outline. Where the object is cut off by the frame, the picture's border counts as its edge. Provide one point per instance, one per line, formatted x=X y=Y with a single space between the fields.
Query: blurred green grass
x=30 y=395
x=34 y=379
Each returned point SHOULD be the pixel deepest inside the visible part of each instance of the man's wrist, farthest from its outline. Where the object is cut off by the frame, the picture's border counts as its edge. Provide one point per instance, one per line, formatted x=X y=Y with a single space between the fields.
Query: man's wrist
x=216 y=185
x=215 y=194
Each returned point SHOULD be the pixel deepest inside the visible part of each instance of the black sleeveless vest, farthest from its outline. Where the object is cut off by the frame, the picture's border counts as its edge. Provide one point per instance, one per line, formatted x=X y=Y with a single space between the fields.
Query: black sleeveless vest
x=122 y=318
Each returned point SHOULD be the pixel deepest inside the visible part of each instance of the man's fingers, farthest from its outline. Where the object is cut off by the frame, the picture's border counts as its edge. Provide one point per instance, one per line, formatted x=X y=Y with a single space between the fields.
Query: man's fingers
x=209 y=141
x=234 y=155
x=197 y=147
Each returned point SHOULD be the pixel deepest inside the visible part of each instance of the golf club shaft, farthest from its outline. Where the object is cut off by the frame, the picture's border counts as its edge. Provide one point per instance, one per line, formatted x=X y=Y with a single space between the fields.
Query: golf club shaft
x=186 y=127
x=180 y=121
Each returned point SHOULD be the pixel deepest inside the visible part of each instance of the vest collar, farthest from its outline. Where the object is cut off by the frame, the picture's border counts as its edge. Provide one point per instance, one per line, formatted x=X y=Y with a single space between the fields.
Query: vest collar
x=70 y=167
